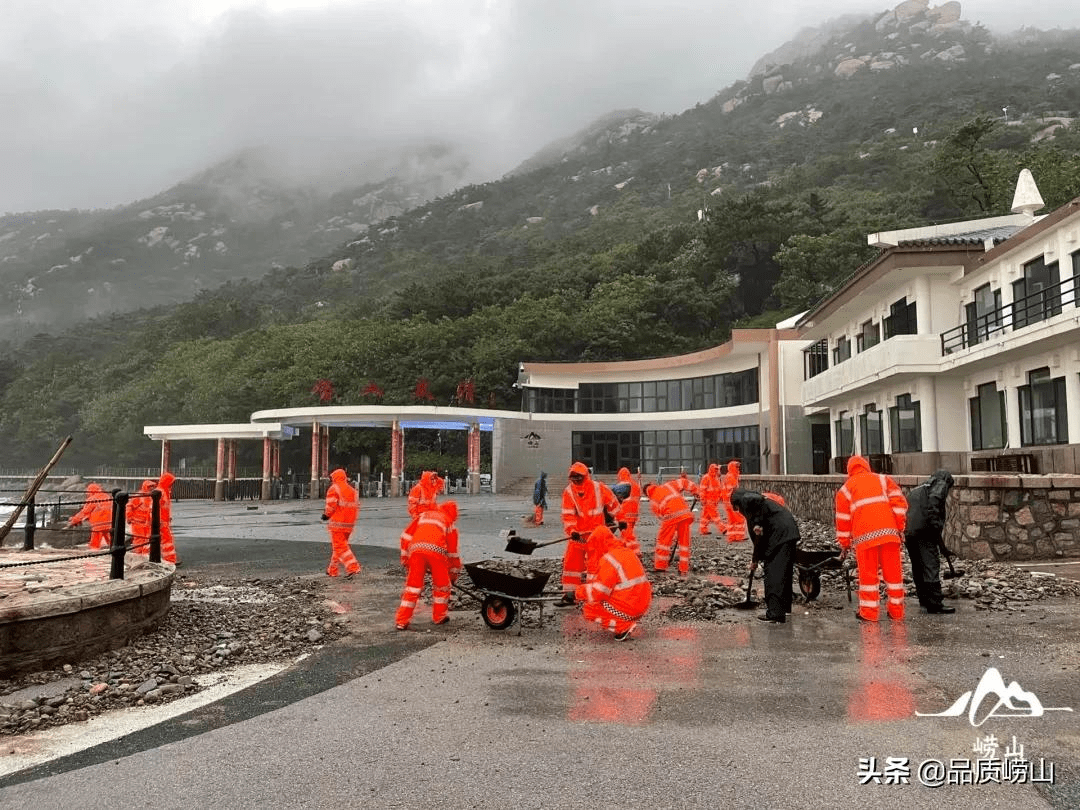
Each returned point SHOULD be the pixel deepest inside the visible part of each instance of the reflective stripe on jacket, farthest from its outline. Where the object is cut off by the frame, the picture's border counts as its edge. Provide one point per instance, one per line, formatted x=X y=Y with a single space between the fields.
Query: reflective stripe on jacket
x=667 y=503
x=870 y=510
x=621 y=582
x=341 y=505
x=585 y=512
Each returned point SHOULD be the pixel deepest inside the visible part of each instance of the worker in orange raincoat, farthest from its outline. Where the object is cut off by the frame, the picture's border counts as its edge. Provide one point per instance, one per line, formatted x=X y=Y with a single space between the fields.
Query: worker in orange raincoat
x=710 y=491
x=586 y=504
x=684 y=484
x=168 y=544
x=434 y=548
x=736 y=523
x=339 y=512
x=618 y=594
x=423 y=496
x=668 y=504
x=871 y=512
x=98 y=511
x=629 y=507
x=138 y=514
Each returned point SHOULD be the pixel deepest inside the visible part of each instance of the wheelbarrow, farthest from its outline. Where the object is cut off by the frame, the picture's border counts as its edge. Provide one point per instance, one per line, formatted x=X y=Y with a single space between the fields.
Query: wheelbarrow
x=810 y=564
x=503 y=595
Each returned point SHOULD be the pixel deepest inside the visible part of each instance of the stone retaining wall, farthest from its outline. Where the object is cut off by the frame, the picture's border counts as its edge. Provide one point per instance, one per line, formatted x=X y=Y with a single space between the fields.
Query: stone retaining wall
x=993 y=517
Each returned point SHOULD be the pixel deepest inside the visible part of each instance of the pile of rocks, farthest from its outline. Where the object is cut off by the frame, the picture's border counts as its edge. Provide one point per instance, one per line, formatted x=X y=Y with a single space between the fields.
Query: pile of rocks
x=208 y=627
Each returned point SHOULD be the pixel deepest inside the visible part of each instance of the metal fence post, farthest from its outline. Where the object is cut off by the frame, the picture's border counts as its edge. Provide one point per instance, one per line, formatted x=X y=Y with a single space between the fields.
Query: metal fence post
x=120 y=499
x=31 y=521
x=155 y=525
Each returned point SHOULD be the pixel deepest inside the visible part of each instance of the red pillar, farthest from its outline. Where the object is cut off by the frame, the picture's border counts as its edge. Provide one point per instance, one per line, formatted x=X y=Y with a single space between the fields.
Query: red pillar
x=219 y=475
x=397 y=458
x=268 y=463
x=325 y=456
x=232 y=460
x=474 y=459
x=166 y=452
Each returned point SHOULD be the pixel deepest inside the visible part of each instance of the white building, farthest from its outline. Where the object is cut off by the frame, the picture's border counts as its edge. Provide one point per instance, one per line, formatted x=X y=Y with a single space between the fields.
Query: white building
x=957 y=347
x=666 y=414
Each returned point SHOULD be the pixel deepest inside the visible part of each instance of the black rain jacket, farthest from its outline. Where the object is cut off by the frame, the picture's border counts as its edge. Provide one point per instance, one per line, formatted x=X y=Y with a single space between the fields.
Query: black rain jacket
x=926 y=504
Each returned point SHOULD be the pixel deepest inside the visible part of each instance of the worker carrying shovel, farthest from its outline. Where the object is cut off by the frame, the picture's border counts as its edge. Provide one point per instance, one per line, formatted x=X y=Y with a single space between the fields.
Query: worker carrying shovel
x=586 y=504
x=922 y=536
x=775 y=536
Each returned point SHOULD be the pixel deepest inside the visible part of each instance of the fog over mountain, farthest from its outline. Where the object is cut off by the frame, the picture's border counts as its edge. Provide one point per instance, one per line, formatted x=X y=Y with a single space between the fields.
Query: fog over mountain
x=110 y=101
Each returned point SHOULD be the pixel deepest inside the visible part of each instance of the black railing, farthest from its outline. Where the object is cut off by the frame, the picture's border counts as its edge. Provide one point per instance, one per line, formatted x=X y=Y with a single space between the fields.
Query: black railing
x=1031 y=309
x=879 y=463
x=1011 y=462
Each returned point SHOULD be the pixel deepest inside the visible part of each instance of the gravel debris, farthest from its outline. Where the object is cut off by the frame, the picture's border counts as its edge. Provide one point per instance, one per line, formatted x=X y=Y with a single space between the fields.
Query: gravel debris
x=210 y=626
x=219 y=624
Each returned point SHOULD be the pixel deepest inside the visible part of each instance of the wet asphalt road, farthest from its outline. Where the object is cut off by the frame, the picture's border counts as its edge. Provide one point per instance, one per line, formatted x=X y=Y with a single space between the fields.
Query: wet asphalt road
x=733 y=713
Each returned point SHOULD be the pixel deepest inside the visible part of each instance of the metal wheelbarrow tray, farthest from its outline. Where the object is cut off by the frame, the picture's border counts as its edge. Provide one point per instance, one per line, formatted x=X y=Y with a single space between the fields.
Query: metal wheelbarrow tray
x=810 y=564
x=502 y=594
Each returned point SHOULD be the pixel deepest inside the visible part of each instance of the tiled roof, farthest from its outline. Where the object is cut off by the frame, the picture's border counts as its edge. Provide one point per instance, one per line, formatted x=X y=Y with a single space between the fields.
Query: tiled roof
x=976 y=237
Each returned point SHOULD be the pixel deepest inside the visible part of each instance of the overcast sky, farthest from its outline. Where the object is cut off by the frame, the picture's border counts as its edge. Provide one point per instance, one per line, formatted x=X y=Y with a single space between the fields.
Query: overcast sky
x=103 y=102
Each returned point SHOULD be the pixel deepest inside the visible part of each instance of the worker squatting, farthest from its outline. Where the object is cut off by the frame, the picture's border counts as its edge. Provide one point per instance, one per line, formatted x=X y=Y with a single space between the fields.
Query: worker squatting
x=602 y=567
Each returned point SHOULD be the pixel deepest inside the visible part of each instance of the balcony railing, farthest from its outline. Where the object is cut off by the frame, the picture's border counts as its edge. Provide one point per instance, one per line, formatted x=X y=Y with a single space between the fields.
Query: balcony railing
x=1027 y=311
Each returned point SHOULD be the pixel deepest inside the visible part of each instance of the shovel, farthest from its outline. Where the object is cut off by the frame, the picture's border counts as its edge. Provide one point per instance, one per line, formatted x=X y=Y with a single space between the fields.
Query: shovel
x=748 y=604
x=519 y=545
x=953 y=573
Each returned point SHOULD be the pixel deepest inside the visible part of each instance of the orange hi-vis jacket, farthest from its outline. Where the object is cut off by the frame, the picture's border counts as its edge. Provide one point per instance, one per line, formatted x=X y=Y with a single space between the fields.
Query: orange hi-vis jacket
x=684 y=484
x=629 y=506
x=710 y=487
x=583 y=513
x=619 y=583
x=731 y=478
x=102 y=513
x=435 y=532
x=94 y=493
x=140 y=511
x=424 y=495
x=870 y=508
x=667 y=503
x=342 y=504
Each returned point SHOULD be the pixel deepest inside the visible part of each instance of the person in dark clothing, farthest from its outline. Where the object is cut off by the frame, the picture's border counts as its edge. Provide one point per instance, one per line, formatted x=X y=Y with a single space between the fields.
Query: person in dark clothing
x=775 y=536
x=922 y=536
x=540 y=498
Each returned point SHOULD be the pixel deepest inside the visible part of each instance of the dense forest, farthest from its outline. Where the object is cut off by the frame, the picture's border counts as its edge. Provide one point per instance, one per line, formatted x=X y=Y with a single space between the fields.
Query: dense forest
x=648 y=245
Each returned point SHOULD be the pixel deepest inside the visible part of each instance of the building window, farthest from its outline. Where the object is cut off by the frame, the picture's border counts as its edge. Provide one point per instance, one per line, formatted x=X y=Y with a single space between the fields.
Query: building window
x=1037 y=296
x=845 y=435
x=905 y=424
x=664 y=452
x=983 y=315
x=871 y=434
x=902 y=319
x=1043 y=418
x=842 y=351
x=869 y=335
x=988 y=428
x=815 y=359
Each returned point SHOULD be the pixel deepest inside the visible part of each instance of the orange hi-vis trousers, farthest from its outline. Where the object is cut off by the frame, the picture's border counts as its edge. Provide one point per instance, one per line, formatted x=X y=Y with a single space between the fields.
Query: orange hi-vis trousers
x=710 y=513
x=629 y=536
x=736 y=525
x=538 y=515
x=340 y=553
x=886 y=557
x=573 y=564
x=420 y=562
x=672 y=531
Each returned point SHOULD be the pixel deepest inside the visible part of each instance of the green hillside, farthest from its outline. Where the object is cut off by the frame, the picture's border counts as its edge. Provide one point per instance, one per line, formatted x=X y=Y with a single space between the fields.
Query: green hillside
x=640 y=237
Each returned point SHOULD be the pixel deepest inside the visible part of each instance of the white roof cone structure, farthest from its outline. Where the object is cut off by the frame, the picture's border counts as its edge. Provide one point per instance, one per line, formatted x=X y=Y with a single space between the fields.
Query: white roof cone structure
x=1027 y=199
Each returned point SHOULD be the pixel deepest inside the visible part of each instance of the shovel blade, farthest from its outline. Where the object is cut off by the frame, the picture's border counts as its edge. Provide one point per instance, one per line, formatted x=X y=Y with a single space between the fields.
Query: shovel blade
x=519 y=545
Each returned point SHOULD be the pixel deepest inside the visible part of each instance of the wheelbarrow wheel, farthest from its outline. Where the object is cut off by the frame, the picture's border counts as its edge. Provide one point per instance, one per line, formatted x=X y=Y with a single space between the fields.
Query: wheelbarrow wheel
x=498 y=613
x=810 y=584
